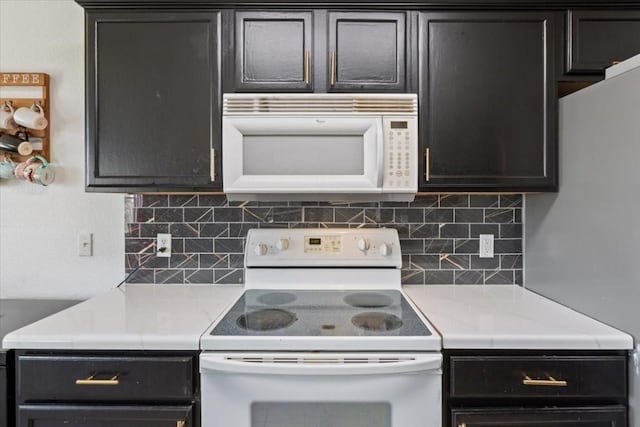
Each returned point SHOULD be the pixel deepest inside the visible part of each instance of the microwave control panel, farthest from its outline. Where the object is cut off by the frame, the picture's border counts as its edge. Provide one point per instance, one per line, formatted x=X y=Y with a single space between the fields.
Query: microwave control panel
x=400 y=153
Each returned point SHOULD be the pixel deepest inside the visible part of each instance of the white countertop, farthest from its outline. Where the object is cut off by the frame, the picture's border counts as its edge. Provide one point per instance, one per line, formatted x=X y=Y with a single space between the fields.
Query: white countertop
x=132 y=317
x=510 y=317
x=173 y=317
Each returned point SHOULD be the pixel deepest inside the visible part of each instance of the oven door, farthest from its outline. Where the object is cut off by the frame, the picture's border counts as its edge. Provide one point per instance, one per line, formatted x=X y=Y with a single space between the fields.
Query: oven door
x=294 y=154
x=321 y=390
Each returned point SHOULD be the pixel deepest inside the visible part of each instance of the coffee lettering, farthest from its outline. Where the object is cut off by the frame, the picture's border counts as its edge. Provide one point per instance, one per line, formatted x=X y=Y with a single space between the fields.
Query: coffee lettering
x=5 y=78
x=35 y=78
x=16 y=78
x=25 y=78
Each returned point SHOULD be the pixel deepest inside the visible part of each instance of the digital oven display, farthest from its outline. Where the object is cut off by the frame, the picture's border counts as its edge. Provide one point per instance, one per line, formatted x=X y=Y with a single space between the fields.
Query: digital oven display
x=398 y=125
x=315 y=241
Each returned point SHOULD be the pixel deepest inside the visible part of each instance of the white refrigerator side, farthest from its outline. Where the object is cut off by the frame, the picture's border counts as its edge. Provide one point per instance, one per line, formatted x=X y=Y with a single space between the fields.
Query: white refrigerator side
x=582 y=244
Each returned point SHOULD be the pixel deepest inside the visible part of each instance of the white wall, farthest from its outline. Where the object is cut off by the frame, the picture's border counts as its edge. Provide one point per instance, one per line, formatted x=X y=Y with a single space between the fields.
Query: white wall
x=39 y=226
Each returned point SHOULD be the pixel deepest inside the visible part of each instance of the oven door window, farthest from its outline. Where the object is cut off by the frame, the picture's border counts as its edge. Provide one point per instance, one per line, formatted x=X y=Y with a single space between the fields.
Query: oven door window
x=302 y=153
x=320 y=414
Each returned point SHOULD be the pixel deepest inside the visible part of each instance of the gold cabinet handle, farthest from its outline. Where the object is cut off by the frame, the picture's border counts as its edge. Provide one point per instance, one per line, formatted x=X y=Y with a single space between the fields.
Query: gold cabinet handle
x=181 y=423
x=427 y=166
x=462 y=425
x=548 y=382
x=213 y=165
x=307 y=67
x=93 y=381
x=332 y=59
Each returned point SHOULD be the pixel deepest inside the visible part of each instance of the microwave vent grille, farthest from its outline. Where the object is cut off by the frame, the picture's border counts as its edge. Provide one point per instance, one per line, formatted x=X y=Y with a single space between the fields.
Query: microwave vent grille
x=320 y=104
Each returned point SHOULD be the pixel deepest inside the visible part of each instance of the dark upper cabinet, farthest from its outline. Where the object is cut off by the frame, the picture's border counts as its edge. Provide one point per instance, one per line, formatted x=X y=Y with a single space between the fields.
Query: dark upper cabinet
x=487 y=101
x=597 y=39
x=273 y=51
x=315 y=51
x=153 y=118
x=366 y=52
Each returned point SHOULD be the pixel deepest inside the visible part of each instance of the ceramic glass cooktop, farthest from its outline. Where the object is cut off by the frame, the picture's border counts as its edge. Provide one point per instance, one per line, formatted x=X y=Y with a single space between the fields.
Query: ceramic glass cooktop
x=312 y=313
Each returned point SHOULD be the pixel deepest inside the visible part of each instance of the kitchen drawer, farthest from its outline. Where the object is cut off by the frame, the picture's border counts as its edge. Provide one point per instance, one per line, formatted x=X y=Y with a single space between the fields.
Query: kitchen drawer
x=105 y=378
x=557 y=377
x=584 y=416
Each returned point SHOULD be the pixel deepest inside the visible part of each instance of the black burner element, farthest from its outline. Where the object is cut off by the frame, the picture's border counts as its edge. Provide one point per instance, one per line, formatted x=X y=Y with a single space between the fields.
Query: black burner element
x=267 y=319
x=277 y=298
x=368 y=300
x=376 y=321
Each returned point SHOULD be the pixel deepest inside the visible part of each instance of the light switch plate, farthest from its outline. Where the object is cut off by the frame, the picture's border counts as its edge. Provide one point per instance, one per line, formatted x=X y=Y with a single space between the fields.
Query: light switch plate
x=85 y=244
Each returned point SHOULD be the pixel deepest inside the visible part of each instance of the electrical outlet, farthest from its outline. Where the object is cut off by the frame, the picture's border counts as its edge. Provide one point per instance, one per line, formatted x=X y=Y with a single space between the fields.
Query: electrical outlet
x=85 y=244
x=486 y=246
x=163 y=240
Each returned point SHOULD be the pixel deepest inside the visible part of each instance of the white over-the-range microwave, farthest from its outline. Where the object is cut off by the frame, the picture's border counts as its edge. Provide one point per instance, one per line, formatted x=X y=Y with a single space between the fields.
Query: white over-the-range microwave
x=336 y=147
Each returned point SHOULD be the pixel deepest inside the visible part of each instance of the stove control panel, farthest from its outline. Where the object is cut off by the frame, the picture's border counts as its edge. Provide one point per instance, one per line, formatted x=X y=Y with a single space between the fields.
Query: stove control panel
x=339 y=247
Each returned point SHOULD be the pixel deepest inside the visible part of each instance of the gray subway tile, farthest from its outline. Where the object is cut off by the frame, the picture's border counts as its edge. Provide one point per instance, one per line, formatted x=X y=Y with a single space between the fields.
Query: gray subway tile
x=438 y=215
x=198 y=214
x=454 y=201
x=183 y=200
x=511 y=200
x=169 y=214
x=198 y=245
x=438 y=277
x=498 y=277
x=198 y=276
x=454 y=231
x=498 y=216
x=469 y=277
x=424 y=231
x=483 y=201
x=477 y=229
x=169 y=276
x=469 y=215
x=408 y=215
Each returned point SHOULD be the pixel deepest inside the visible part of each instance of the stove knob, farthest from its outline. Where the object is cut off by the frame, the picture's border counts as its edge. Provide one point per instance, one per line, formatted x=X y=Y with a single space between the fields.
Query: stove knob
x=363 y=245
x=261 y=249
x=385 y=249
x=283 y=244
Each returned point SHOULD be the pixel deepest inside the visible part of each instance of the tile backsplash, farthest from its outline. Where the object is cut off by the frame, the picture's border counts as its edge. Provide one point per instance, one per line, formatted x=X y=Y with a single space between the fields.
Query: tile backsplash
x=438 y=235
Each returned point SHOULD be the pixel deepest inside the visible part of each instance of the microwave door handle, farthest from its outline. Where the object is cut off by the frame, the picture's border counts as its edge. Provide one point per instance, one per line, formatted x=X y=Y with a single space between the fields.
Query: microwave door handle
x=317 y=366
x=380 y=153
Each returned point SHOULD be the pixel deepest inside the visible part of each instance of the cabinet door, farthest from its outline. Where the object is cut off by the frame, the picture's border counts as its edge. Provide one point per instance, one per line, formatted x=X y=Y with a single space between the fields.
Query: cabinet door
x=4 y=415
x=597 y=39
x=366 y=52
x=273 y=51
x=487 y=101
x=604 y=416
x=152 y=101
x=103 y=415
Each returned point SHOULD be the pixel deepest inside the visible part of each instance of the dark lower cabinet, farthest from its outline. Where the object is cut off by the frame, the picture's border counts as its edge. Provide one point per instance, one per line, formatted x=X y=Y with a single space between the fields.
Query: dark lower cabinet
x=518 y=388
x=106 y=388
x=612 y=416
x=101 y=416
x=4 y=395
x=596 y=39
x=487 y=101
x=153 y=117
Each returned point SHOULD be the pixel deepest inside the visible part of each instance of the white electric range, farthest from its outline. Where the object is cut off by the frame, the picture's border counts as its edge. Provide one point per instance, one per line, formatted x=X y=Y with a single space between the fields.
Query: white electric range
x=322 y=336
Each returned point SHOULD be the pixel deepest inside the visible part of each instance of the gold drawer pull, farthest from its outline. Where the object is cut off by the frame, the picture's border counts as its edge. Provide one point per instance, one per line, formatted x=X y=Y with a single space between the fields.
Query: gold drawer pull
x=181 y=423
x=332 y=66
x=93 y=381
x=427 y=166
x=307 y=67
x=548 y=382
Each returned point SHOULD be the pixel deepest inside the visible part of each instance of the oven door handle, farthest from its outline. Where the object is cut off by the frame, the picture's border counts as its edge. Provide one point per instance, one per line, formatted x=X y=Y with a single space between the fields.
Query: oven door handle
x=318 y=365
